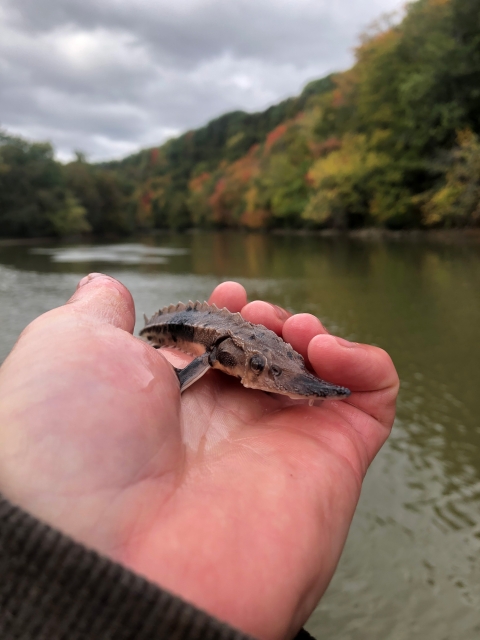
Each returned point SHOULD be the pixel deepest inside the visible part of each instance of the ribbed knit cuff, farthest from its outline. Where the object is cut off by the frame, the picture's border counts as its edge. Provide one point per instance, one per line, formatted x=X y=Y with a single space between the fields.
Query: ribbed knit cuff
x=52 y=588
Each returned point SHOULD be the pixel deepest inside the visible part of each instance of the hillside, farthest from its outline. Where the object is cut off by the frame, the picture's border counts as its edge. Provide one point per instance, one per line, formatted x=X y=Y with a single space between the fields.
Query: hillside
x=161 y=178
x=393 y=141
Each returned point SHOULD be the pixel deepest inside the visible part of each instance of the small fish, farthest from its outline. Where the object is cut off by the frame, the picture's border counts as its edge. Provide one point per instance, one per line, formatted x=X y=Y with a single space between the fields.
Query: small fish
x=223 y=340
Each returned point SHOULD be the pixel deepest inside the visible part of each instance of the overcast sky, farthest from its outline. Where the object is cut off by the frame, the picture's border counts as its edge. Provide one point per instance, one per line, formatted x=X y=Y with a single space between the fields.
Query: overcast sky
x=108 y=77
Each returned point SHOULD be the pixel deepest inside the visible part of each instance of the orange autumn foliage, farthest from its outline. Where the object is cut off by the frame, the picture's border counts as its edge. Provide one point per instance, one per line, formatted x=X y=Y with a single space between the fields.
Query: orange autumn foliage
x=216 y=201
x=275 y=135
x=196 y=184
x=154 y=156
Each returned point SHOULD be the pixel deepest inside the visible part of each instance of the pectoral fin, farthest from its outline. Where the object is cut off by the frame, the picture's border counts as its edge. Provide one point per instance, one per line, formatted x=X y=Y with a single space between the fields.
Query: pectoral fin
x=193 y=371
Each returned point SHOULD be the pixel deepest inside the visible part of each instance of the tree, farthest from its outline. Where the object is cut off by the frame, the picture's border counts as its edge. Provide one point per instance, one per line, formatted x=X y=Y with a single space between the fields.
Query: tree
x=344 y=183
x=70 y=219
x=456 y=201
x=32 y=188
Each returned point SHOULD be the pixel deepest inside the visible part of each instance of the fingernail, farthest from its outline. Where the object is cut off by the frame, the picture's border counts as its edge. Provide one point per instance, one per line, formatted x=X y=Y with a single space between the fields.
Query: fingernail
x=282 y=314
x=89 y=278
x=345 y=343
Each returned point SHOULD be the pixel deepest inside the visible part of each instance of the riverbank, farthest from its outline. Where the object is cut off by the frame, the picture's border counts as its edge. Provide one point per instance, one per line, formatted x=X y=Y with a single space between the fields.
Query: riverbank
x=372 y=234
x=376 y=234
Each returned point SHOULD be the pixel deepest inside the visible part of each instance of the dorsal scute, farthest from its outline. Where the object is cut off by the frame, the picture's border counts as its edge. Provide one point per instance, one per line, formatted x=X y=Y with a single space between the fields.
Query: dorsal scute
x=193 y=306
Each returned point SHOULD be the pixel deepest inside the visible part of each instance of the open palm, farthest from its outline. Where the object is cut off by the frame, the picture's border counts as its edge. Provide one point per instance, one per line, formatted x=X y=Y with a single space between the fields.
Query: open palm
x=238 y=501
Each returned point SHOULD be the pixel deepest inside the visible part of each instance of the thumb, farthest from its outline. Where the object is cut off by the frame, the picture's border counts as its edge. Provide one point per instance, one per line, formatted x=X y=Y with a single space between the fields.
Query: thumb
x=106 y=300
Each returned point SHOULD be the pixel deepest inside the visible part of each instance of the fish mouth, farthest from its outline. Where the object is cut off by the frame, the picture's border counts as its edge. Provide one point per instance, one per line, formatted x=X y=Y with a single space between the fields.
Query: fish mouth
x=308 y=386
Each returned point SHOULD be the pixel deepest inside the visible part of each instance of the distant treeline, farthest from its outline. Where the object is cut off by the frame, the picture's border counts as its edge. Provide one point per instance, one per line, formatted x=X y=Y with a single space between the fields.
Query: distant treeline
x=393 y=142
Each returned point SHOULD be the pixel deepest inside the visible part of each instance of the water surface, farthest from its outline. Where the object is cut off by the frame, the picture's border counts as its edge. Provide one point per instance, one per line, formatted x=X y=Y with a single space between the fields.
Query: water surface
x=411 y=567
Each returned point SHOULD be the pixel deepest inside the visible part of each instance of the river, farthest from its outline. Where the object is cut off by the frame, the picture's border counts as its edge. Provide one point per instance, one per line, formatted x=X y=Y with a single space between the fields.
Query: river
x=411 y=566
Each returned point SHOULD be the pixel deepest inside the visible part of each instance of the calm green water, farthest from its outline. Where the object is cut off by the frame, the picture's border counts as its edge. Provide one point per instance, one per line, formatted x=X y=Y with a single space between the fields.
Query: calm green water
x=411 y=567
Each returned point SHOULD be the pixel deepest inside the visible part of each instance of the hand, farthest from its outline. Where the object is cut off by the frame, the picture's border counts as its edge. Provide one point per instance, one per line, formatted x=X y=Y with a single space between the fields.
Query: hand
x=238 y=501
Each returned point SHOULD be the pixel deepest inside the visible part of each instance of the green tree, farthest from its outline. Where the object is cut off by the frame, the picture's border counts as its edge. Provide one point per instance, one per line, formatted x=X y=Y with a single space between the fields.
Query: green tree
x=32 y=188
x=456 y=201
x=100 y=192
x=344 y=182
x=70 y=219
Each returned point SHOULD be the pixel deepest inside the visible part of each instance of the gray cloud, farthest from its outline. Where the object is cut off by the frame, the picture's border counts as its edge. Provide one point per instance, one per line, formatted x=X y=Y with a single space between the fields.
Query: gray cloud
x=110 y=77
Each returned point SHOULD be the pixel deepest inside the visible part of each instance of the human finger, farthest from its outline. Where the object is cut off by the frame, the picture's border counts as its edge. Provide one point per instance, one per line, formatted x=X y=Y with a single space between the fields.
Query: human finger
x=230 y=295
x=104 y=299
x=300 y=329
x=366 y=370
x=270 y=315
x=361 y=367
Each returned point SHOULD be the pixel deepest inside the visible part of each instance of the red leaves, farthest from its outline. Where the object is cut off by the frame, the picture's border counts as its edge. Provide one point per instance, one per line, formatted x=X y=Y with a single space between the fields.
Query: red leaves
x=275 y=135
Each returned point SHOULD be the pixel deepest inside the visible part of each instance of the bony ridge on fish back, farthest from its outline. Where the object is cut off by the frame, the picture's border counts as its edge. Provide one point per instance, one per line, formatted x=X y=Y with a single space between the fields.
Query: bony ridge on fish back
x=223 y=340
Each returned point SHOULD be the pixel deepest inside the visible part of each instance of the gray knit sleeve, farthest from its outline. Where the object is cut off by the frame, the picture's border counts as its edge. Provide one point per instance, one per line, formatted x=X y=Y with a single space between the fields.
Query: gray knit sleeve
x=52 y=588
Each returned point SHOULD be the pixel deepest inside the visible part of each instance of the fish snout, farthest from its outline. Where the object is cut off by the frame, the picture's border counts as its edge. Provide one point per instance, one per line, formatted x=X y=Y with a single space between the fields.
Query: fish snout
x=311 y=386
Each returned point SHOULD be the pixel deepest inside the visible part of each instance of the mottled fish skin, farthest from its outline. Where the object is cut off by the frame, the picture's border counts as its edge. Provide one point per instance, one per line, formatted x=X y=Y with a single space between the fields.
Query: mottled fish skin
x=225 y=341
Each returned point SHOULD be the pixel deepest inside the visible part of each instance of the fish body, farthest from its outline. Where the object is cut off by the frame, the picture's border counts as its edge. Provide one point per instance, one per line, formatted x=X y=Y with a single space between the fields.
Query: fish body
x=223 y=340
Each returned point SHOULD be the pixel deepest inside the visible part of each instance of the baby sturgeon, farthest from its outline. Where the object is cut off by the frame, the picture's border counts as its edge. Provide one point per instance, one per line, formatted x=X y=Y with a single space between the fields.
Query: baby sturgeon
x=224 y=340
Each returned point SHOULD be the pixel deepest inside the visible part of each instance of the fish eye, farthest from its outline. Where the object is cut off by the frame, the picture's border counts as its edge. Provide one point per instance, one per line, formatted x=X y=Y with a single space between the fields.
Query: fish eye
x=276 y=371
x=257 y=363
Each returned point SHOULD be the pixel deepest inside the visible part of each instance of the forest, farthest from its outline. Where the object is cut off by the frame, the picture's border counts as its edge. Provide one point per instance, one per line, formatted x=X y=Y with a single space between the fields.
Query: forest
x=393 y=142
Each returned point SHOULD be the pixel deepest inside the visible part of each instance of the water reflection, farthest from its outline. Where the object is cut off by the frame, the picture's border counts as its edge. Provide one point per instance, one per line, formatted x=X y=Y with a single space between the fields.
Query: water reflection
x=125 y=254
x=412 y=565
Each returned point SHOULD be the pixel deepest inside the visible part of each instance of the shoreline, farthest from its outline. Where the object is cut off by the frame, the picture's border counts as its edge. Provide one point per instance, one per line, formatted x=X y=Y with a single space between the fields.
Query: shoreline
x=380 y=235
x=369 y=234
